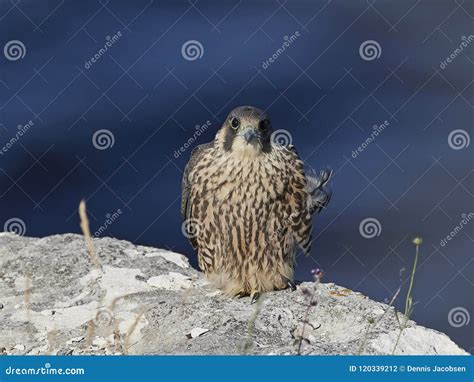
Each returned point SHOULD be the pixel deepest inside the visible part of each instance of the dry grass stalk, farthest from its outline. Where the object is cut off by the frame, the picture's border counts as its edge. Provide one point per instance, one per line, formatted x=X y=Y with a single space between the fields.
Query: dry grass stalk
x=249 y=342
x=117 y=339
x=90 y=333
x=27 y=298
x=375 y=323
x=87 y=235
x=131 y=329
x=51 y=337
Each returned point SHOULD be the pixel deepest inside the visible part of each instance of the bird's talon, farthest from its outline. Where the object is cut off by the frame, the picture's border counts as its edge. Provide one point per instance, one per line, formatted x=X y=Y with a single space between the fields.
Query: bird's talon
x=291 y=285
x=254 y=298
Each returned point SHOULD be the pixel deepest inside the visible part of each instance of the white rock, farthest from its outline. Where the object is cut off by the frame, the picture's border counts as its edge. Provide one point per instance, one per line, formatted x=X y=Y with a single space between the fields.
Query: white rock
x=153 y=316
x=176 y=258
x=133 y=252
x=416 y=340
x=21 y=284
x=100 y=342
x=196 y=332
x=75 y=339
x=215 y=293
x=171 y=281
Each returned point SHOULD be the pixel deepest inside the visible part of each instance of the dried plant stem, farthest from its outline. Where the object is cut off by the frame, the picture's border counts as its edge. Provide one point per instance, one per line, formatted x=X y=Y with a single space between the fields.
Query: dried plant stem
x=401 y=328
x=248 y=345
x=131 y=329
x=374 y=324
x=311 y=303
x=90 y=333
x=27 y=297
x=87 y=235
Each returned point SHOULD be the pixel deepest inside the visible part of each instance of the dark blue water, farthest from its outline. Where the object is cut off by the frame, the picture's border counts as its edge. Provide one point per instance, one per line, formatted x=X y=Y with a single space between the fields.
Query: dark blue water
x=320 y=89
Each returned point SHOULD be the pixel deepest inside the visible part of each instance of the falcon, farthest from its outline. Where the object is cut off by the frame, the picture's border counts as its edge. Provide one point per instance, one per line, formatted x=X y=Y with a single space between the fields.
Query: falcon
x=247 y=206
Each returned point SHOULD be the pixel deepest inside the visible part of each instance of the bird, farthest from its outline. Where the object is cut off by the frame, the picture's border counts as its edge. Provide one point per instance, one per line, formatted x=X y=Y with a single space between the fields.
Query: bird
x=247 y=206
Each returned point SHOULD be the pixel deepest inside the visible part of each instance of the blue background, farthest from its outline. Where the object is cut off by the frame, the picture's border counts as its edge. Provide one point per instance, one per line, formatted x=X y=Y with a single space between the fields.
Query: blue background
x=320 y=89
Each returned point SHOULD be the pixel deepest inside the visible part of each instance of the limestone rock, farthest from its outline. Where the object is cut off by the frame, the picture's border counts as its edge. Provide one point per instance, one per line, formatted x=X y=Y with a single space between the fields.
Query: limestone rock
x=150 y=301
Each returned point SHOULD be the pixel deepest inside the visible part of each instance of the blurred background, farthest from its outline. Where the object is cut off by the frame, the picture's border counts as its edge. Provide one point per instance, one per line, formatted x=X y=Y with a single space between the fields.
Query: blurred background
x=100 y=100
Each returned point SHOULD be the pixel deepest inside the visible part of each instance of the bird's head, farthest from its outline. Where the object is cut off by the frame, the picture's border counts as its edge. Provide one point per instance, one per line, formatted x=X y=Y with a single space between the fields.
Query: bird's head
x=246 y=131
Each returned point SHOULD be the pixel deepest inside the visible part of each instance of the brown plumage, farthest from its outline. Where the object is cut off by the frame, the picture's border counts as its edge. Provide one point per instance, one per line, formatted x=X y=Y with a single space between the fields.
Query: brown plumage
x=247 y=205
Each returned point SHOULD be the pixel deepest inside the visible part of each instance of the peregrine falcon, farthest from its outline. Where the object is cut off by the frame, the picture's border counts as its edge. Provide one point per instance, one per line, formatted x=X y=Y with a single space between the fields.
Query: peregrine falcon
x=247 y=205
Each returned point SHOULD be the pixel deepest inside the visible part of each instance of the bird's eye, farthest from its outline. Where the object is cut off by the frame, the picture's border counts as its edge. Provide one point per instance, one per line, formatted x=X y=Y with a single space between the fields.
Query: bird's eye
x=264 y=125
x=235 y=123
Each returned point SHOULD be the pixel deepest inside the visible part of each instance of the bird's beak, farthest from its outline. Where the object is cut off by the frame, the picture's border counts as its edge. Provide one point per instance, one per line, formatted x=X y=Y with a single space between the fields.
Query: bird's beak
x=249 y=134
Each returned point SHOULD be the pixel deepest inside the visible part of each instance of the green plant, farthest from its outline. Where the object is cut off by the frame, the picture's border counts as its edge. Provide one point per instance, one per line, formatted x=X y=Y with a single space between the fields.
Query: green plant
x=409 y=305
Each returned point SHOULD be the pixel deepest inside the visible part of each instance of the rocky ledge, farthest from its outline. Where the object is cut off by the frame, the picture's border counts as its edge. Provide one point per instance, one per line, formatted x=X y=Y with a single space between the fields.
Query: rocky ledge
x=142 y=300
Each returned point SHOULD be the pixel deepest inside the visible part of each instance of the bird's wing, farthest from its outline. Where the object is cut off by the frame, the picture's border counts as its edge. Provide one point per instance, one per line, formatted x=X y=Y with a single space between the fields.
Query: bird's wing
x=186 y=186
x=317 y=186
x=300 y=220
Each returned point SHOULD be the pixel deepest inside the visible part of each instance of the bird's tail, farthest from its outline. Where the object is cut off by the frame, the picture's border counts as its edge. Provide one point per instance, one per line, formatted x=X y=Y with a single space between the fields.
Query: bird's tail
x=316 y=185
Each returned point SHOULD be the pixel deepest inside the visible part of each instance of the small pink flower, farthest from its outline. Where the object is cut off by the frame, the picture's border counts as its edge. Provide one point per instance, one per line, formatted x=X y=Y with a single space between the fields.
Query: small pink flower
x=317 y=274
